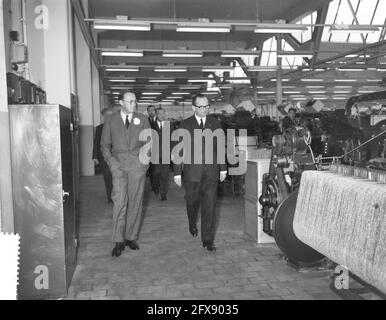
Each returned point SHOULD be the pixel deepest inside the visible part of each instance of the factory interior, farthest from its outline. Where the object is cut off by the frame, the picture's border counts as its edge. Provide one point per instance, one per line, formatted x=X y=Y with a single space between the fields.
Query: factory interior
x=301 y=85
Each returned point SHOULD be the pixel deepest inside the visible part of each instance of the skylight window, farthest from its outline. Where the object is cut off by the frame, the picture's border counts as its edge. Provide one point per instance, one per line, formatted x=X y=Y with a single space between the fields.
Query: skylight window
x=352 y=12
x=306 y=35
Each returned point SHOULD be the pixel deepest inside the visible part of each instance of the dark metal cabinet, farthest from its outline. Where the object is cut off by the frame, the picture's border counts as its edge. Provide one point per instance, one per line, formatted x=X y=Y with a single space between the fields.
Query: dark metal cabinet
x=44 y=202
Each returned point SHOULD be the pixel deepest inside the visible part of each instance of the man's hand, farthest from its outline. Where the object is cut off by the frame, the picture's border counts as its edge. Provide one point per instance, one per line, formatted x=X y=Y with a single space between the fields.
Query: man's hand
x=96 y=161
x=223 y=176
x=178 y=181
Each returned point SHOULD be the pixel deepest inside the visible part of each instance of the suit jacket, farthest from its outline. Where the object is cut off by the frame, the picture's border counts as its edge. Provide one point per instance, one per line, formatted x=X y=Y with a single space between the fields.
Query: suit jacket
x=97 y=153
x=193 y=172
x=121 y=147
x=156 y=128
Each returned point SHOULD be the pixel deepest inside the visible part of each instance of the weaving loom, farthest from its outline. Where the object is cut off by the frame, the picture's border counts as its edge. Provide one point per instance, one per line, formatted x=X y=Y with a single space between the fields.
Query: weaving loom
x=342 y=215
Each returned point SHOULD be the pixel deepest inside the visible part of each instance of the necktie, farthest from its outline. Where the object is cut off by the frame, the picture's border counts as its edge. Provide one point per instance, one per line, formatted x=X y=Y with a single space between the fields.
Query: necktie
x=127 y=123
x=202 y=124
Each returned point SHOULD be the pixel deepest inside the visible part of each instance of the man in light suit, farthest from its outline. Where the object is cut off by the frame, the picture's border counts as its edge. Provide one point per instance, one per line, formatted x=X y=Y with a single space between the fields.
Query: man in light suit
x=121 y=147
x=201 y=179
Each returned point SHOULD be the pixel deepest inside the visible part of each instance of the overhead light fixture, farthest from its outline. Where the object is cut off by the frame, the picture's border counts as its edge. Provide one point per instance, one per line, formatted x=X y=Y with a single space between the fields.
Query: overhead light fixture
x=291 y=92
x=316 y=92
x=262 y=68
x=180 y=93
x=198 y=80
x=343 y=87
x=351 y=56
x=365 y=91
x=162 y=80
x=279 y=28
x=182 y=54
x=211 y=92
x=170 y=69
x=266 y=92
x=339 y=98
x=122 y=25
x=381 y=69
x=349 y=28
x=373 y=80
x=283 y=80
x=151 y=93
x=175 y=97
x=342 y=92
x=217 y=69
x=345 y=80
x=122 y=53
x=295 y=54
x=129 y=69
x=122 y=80
x=311 y=80
x=314 y=87
x=203 y=27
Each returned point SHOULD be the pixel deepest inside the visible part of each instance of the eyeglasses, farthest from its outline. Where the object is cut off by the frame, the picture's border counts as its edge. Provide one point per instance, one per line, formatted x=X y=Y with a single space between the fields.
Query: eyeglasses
x=203 y=107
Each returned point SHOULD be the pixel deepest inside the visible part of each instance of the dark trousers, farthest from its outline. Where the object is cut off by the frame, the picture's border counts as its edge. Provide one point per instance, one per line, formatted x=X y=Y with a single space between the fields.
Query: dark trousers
x=161 y=181
x=204 y=194
x=107 y=178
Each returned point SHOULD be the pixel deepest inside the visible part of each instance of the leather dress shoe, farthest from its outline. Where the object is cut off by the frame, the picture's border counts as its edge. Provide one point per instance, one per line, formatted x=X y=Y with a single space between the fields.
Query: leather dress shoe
x=119 y=248
x=133 y=245
x=163 y=198
x=209 y=245
x=193 y=231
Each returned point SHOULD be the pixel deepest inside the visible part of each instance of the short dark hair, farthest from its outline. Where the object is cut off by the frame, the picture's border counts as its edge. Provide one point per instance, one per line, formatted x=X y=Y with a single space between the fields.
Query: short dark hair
x=198 y=96
x=150 y=106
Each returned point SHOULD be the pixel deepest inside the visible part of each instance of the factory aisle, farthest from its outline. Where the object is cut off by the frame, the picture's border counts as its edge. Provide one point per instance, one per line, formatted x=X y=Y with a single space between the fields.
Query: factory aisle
x=173 y=265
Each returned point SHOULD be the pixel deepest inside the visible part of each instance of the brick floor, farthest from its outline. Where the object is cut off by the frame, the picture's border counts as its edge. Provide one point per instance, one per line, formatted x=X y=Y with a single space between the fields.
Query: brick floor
x=173 y=265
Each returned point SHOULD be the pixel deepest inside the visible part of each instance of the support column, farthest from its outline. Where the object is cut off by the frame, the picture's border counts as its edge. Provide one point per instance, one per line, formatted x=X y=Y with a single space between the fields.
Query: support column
x=96 y=99
x=57 y=32
x=279 y=89
x=6 y=201
x=85 y=95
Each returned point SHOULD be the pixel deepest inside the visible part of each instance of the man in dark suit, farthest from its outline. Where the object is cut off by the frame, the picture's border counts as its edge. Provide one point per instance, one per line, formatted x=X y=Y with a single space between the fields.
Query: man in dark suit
x=160 y=172
x=121 y=147
x=152 y=120
x=98 y=157
x=200 y=177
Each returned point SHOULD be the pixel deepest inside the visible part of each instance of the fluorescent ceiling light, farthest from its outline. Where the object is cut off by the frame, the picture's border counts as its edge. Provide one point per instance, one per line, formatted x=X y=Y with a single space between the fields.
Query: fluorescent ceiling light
x=373 y=80
x=122 y=53
x=175 y=97
x=365 y=91
x=316 y=92
x=279 y=28
x=262 y=68
x=314 y=87
x=340 y=92
x=291 y=92
x=211 y=92
x=186 y=54
x=343 y=87
x=380 y=69
x=217 y=69
x=122 y=69
x=351 y=56
x=266 y=92
x=345 y=80
x=348 y=28
x=339 y=98
x=151 y=93
x=162 y=80
x=120 y=25
x=199 y=80
x=122 y=80
x=180 y=93
x=203 y=27
x=283 y=80
x=190 y=87
x=295 y=54
x=312 y=80
x=170 y=69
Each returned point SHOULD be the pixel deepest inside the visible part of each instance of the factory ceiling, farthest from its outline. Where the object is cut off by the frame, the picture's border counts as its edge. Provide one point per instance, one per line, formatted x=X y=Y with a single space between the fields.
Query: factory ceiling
x=160 y=45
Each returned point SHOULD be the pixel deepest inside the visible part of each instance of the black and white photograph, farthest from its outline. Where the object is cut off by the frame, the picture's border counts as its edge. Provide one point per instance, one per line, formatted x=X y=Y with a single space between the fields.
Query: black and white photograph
x=192 y=156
